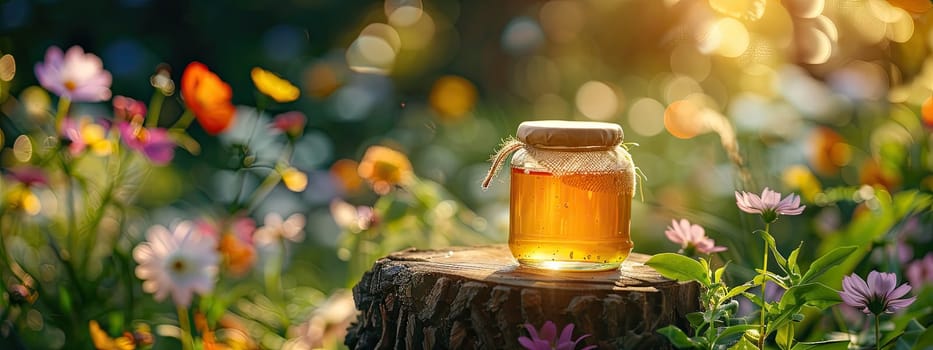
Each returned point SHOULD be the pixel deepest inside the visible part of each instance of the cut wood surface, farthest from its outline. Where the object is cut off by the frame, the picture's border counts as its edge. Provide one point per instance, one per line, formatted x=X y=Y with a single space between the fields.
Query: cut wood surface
x=480 y=298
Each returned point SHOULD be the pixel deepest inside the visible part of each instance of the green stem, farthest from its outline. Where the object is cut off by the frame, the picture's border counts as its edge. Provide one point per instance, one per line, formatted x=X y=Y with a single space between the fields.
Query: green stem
x=263 y=189
x=185 y=120
x=155 y=109
x=877 y=332
x=274 y=272
x=63 y=104
x=764 y=282
x=187 y=342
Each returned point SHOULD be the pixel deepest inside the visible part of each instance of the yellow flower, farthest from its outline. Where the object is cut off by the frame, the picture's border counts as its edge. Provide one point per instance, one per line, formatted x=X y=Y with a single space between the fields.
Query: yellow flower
x=22 y=198
x=384 y=167
x=294 y=179
x=272 y=85
x=800 y=178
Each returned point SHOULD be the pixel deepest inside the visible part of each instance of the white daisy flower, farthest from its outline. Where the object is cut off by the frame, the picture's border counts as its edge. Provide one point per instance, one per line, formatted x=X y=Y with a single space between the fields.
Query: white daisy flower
x=180 y=262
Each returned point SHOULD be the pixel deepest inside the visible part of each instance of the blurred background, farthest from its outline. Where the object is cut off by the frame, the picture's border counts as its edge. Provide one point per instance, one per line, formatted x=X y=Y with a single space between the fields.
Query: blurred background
x=818 y=97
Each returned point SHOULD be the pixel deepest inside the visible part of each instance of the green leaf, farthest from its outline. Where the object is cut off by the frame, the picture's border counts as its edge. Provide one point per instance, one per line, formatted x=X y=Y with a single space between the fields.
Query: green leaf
x=728 y=334
x=792 y=262
x=833 y=344
x=695 y=319
x=910 y=337
x=925 y=340
x=826 y=262
x=735 y=291
x=817 y=295
x=679 y=267
x=678 y=337
x=744 y=344
x=717 y=276
x=769 y=240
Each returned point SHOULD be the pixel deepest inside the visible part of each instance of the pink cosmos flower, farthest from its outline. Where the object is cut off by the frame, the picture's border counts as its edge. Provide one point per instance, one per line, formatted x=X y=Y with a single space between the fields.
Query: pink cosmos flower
x=74 y=75
x=691 y=237
x=920 y=272
x=180 y=262
x=547 y=338
x=128 y=109
x=769 y=204
x=154 y=143
x=878 y=295
x=290 y=123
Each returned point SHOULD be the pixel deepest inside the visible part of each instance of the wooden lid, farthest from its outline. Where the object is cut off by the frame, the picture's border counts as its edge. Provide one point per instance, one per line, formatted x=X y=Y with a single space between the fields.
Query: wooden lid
x=563 y=134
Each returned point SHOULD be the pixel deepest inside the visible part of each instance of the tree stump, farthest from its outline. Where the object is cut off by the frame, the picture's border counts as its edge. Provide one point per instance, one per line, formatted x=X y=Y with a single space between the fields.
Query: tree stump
x=479 y=298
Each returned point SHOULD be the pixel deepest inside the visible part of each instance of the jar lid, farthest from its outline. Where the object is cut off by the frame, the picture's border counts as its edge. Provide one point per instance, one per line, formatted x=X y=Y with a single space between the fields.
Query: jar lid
x=563 y=134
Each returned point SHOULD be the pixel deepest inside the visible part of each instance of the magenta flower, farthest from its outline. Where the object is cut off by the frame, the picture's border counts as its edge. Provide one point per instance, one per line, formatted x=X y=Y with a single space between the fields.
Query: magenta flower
x=691 y=238
x=290 y=123
x=74 y=75
x=547 y=338
x=28 y=175
x=920 y=272
x=154 y=143
x=878 y=295
x=128 y=109
x=769 y=205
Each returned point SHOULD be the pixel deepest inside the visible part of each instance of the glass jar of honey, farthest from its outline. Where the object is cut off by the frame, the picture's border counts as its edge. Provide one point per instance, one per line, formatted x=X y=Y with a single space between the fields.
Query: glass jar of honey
x=571 y=193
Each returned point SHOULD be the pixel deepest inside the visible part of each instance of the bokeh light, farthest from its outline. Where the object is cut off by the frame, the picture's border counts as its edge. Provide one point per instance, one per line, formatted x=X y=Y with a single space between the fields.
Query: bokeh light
x=370 y=54
x=22 y=148
x=751 y=10
x=597 y=100
x=7 y=67
x=522 y=35
x=403 y=13
x=726 y=37
x=646 y=117
x=452 y=97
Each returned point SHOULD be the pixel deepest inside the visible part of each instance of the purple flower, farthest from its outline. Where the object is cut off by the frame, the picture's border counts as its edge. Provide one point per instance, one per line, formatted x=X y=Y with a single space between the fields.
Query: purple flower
x=920 y=272
x=154 y=143
x=547 y=338
x=74 y=75
x=769 y=205
x=691 y=237
x=878 y=295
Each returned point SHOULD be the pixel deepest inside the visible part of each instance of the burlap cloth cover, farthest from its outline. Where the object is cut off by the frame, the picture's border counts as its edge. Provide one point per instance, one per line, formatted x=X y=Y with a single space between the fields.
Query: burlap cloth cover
x=586 y=155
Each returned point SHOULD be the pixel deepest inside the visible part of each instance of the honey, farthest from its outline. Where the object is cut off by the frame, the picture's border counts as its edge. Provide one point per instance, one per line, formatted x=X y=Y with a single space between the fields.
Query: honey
x=567 y=223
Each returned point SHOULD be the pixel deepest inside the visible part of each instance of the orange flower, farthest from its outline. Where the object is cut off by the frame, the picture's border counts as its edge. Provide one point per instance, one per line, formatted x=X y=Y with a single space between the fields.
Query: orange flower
x=345 y=173
x=102 y=341
x=926 y=112
x=238 y=255
x=829 y=151
x=912 y=6
x=208 y=97
x=874 y=173
x=384 y=167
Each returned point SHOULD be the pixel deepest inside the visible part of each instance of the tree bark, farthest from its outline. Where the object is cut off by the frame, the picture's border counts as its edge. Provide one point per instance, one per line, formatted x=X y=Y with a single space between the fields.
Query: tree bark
x=479 y=298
